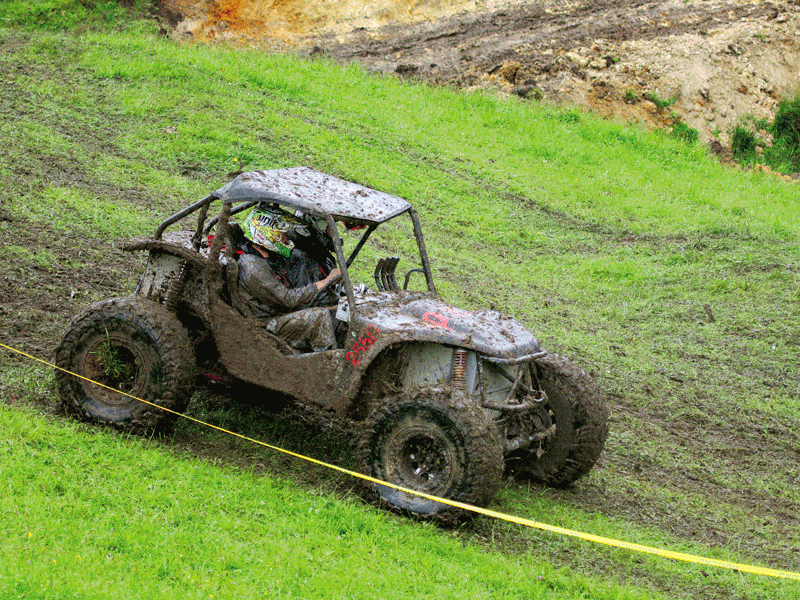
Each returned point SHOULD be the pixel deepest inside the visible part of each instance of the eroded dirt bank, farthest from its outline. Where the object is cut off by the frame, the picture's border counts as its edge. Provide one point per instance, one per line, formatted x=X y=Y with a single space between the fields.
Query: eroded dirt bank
x=711 y=62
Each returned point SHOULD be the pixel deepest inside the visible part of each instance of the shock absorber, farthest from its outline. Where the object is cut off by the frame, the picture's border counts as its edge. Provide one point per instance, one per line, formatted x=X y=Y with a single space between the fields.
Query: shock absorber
x=176 y=288
x=459 y=381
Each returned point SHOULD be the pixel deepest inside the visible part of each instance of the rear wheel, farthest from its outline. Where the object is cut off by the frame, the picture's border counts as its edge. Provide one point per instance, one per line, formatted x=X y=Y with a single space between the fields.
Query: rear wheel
x=433 y=444
x=580 y=417
x=132 y=345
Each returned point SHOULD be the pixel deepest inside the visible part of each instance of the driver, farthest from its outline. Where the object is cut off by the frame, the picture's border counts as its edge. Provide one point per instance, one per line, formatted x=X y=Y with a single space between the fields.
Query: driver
x=266 y=285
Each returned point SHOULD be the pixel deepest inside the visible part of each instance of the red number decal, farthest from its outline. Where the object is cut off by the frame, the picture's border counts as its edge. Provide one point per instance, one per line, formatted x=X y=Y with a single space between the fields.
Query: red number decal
x=363 y=344
x=353 y=358
x=435 y=319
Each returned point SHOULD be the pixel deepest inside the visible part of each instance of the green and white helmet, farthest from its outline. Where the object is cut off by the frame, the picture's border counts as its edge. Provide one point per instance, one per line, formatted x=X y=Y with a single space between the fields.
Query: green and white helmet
x=268 y=227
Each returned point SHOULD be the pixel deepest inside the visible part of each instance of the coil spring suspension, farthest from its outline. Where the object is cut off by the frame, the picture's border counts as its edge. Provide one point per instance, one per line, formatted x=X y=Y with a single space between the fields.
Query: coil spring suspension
x=460 y=370
x=176 y=289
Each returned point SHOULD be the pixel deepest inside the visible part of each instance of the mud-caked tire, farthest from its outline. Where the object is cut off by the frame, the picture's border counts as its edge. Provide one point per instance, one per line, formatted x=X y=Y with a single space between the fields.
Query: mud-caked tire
x=129 y=344
x=431 y=443
x=580 y=416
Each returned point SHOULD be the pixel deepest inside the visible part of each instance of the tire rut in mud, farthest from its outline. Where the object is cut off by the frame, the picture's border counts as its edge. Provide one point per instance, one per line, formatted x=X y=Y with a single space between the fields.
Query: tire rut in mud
x=453 y=50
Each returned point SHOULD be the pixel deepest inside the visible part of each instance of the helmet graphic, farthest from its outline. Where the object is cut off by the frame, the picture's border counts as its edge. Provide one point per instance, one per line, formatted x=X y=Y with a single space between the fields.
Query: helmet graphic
x=320 y=224
x=268 y=227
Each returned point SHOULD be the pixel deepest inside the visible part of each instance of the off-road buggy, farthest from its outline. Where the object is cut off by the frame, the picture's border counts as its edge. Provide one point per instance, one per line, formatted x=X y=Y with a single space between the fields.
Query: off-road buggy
x=443 y=400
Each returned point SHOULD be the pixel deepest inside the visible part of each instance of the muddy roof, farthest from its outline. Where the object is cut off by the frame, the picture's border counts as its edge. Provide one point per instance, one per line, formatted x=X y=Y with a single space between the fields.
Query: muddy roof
x=314 y=192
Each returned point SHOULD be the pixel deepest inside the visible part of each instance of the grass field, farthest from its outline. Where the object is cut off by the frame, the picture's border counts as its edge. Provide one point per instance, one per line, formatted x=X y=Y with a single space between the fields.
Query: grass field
x=673 y=279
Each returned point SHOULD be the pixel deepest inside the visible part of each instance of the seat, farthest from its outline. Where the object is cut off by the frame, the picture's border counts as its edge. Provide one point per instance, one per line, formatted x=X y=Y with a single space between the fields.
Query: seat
x=384 y=274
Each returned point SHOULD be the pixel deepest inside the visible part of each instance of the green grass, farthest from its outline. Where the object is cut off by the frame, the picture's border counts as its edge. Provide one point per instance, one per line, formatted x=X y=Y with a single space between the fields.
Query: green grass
x=606 y=240
x=77 y=15
x=96 y=515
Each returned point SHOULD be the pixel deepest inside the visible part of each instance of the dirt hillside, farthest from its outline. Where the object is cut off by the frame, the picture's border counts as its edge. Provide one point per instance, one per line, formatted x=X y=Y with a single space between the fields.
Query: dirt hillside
x=711 y=62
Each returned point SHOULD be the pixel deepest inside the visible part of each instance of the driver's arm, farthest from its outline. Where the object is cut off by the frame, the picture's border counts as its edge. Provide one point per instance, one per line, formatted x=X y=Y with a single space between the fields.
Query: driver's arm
x=258 y=279
x=323 y=282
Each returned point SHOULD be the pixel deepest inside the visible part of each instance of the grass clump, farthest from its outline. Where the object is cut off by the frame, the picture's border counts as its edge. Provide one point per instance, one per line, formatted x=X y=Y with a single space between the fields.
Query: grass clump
x=783 y=153
x=785 y=129
x=684 y=132
x=662 y=103
x=77 y=15
x=743 y=143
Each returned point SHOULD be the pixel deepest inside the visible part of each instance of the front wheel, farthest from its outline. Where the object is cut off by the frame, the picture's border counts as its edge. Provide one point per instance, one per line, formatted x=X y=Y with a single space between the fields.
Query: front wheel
x=580 y=417
x=433 y=444
x=129 y=344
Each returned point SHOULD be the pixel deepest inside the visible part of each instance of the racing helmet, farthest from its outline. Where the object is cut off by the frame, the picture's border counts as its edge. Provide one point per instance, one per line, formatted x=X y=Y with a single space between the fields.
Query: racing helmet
x=268 y=226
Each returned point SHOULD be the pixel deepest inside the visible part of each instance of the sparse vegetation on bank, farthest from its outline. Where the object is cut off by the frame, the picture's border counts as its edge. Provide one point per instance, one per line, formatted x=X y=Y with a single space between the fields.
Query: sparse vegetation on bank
x=781 y=150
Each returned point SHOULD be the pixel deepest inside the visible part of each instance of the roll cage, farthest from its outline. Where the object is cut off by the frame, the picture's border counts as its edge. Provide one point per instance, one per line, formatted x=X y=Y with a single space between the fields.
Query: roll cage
x=319 y=195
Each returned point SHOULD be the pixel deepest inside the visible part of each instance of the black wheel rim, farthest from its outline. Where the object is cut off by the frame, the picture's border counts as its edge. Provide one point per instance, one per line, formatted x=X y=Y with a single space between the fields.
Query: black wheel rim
x=420 y=458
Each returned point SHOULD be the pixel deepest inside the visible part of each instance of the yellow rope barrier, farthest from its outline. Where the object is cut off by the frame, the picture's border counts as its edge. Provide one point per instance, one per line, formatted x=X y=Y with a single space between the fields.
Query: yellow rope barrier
x=680 y=556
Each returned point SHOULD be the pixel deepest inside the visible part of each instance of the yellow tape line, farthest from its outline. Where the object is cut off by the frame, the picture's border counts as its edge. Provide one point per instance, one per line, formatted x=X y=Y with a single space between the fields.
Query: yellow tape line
x=680 y=556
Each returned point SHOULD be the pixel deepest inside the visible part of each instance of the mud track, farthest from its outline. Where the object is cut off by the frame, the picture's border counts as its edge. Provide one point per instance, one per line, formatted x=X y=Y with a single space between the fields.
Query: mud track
x=460 y=49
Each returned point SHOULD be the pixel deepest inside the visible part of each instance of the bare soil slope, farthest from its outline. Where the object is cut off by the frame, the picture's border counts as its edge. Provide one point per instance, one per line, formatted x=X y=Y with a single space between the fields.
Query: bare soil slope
x=713 y=62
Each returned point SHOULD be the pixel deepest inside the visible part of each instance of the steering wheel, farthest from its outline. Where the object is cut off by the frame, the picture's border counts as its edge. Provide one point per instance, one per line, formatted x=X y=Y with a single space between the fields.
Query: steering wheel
x=329 y=293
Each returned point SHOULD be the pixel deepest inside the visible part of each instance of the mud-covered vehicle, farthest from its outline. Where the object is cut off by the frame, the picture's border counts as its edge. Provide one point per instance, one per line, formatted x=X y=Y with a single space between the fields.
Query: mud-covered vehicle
x=443 y=400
